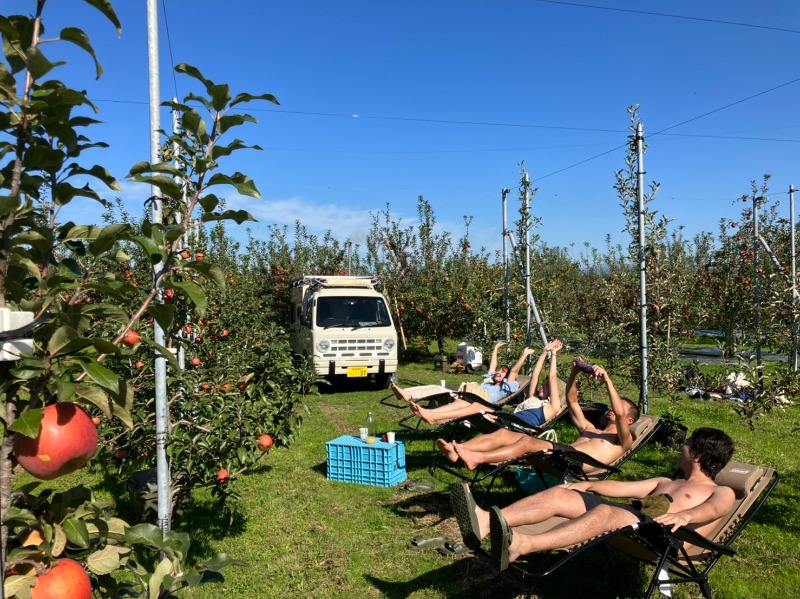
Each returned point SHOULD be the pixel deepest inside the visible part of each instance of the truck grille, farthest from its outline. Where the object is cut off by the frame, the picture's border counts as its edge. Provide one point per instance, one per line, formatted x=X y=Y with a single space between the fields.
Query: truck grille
x=355 y=348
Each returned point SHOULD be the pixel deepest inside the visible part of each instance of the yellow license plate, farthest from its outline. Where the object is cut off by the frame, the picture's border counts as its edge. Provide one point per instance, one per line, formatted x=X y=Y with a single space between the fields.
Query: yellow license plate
x=356 y=371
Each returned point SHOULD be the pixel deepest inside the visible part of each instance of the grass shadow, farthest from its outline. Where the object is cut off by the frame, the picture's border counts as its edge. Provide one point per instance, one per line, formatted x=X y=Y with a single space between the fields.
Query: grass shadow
x=465 y=578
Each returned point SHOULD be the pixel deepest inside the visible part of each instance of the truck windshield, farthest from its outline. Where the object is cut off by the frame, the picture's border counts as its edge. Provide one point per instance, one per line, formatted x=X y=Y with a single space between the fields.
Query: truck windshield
x=352 y=312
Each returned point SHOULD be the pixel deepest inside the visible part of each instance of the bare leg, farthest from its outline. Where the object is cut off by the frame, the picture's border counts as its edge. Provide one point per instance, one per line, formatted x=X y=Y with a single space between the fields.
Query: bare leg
x=457 y=409
x=494 y=440
x=595 y=522
x=526 y=444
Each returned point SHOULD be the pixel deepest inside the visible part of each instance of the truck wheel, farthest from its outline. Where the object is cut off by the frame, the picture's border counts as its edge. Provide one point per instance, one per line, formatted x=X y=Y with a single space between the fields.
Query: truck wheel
x=383 y=380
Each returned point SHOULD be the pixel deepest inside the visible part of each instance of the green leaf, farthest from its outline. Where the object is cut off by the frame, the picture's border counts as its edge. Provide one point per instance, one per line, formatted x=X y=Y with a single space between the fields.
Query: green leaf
x=104 y=6
x=105 y=377
x=194 y=292
x=239 y=216
x=178 y=542
x=76 y=532
x=188 y=69
x=80 y=39
x=61 y=338
x=250 y=97
x=95 y=396
x=106 y=560
x=18 y=586
x=28 y=424
x=59 y=539
x=168 y=186
x=220 y=94
x=65 y=389
x=154 y=584
x=243 y=184
x=37 y=63
x=164 y=314
x=209 y=202
x=145 y=534
x=214 y=273
x=219 y=561
x=107 y=237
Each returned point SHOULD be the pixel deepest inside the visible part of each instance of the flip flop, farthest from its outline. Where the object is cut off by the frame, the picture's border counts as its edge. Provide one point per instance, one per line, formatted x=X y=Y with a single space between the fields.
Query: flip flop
x=451 y=548
x=421 y=543
x=501 y=535
x=464 y=509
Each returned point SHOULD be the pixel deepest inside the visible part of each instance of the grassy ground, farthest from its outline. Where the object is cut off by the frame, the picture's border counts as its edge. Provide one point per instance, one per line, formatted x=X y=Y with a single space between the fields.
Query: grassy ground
x=306 y=536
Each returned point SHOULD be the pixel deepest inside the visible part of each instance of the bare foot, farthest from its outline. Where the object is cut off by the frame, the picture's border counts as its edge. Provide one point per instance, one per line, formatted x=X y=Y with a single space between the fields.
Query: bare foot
x=469 y=457
x=447 y=449
x=422 y=412
x=401 y=393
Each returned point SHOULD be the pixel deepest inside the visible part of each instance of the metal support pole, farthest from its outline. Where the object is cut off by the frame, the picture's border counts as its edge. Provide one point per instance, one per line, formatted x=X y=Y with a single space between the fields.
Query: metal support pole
x=160 y=367
x=526 y=182
x=529 y=295
x=794 y=279
x=643 y=401
x=506 y=292
x=757 y=292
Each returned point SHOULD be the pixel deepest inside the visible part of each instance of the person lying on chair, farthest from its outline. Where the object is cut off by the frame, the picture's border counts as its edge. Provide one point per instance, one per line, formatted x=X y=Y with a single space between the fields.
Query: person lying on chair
x=498 y=383
x=695 y=501
x=605 y=442
x=543 y=403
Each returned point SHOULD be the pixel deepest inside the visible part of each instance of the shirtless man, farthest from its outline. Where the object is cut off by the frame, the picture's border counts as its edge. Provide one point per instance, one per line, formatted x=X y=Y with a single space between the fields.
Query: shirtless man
x=605 y=442
x=499 y=383
x=695 y=501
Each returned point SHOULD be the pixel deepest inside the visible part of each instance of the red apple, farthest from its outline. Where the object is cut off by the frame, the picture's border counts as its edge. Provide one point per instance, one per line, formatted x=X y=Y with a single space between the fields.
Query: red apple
x=96 y=420
x=196 y=361
x=67 y=439
x=66 y=580
x=223 y=476
x=131 y=338
x=264 y=442
x=120 y=454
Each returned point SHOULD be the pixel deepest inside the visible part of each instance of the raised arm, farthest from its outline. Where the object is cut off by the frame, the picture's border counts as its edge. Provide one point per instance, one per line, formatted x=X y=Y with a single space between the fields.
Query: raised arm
x=493 y=359
x=512 y=375
x=575 y=411
x=618 y=407
x=552 y=378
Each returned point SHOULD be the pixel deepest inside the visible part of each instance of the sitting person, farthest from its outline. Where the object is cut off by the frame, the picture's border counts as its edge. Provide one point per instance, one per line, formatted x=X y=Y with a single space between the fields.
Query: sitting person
x=694 y=501
x=498 y=383
x=605 y=442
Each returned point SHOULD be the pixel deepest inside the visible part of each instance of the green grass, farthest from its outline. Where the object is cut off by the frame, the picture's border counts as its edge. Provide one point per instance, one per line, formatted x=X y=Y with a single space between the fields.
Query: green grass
x=305 y=536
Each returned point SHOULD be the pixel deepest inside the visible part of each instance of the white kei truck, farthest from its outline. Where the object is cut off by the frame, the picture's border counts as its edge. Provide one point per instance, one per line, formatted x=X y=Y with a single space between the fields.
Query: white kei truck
x=342 y=326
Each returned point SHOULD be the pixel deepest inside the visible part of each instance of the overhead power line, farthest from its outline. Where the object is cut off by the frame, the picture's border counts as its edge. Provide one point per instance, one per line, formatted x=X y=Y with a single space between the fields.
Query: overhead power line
x=670 y=16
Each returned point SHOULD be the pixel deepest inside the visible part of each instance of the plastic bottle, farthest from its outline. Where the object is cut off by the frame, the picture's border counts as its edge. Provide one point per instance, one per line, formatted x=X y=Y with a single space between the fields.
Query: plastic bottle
x=370 y=429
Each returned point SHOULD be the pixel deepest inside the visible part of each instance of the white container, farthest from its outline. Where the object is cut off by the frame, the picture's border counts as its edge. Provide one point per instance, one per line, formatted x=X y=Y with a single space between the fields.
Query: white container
x=469 y=355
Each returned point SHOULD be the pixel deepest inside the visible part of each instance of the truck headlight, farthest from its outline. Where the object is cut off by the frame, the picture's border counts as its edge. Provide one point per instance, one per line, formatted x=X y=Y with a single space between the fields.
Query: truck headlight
x=388 y=344
x=323 y=345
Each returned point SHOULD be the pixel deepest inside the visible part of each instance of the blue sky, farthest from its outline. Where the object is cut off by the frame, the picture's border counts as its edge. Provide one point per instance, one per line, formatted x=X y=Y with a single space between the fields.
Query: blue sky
x=451 y=95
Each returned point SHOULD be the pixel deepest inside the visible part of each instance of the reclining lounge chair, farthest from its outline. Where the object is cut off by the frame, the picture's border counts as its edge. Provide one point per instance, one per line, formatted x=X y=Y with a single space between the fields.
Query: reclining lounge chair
x=683 y=556
x=561 y=465
x=415 y=424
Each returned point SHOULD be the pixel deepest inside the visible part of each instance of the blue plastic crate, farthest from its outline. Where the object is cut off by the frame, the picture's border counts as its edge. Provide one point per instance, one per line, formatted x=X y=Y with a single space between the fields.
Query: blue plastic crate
x=354 y=461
